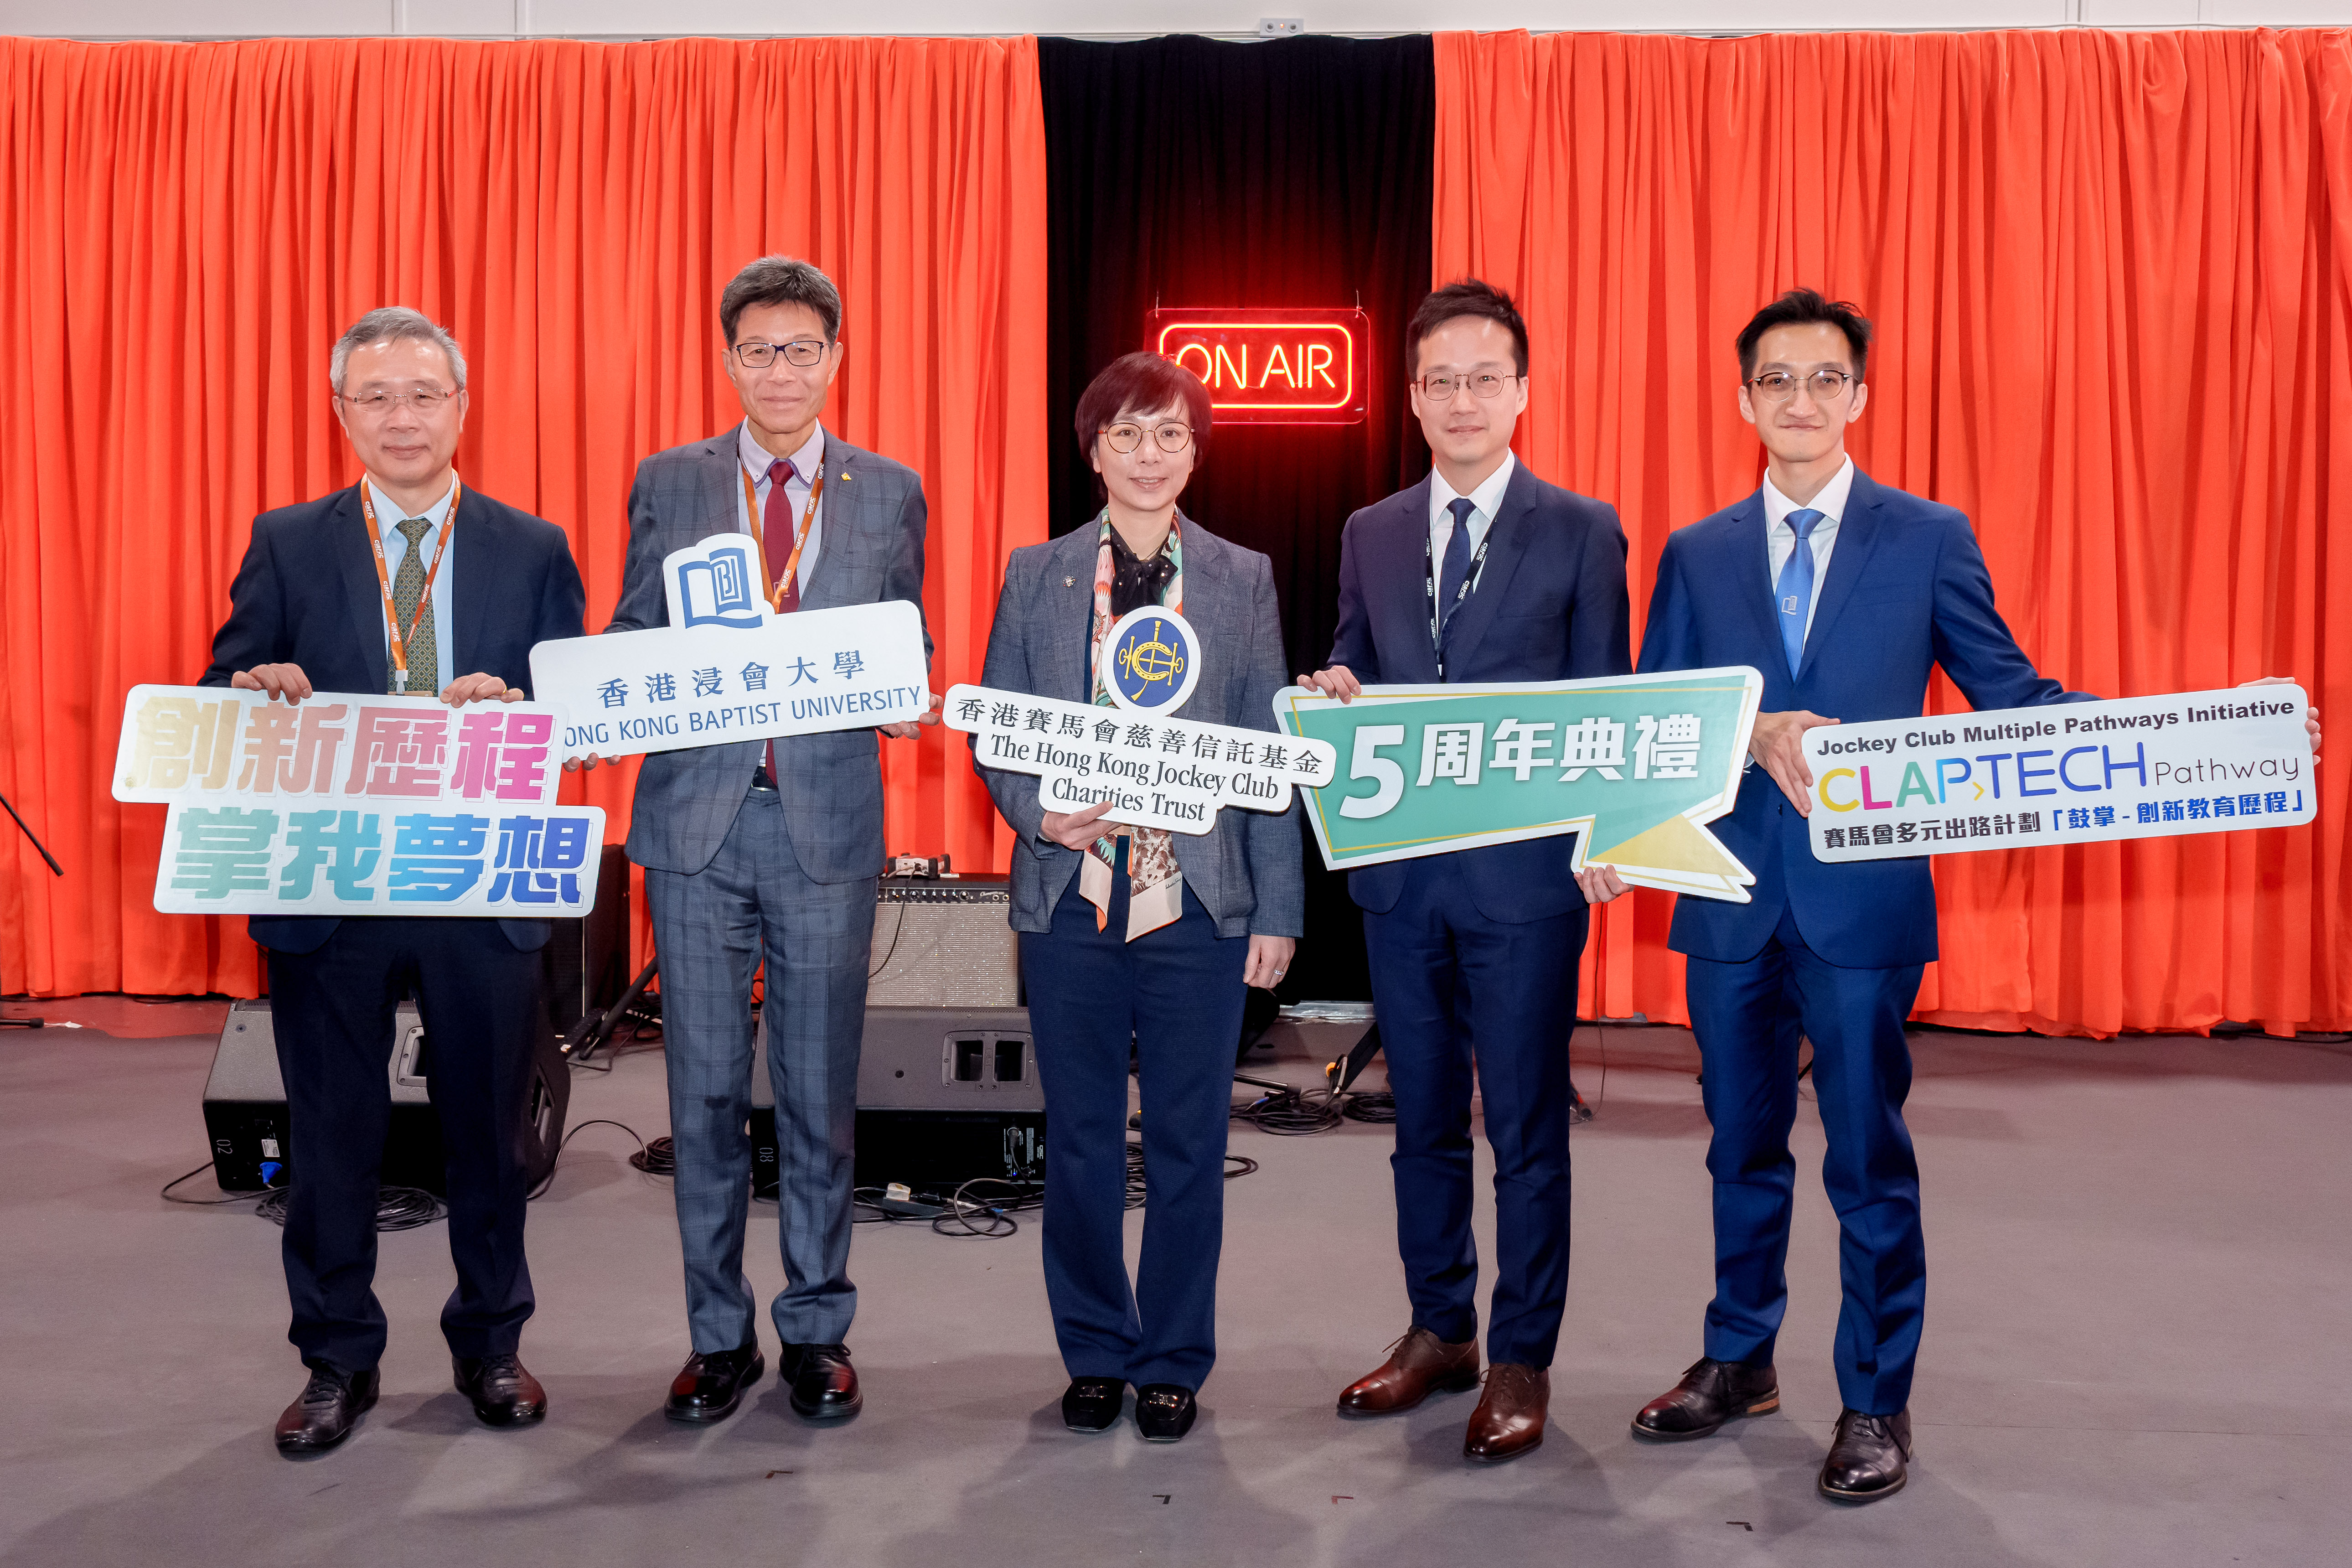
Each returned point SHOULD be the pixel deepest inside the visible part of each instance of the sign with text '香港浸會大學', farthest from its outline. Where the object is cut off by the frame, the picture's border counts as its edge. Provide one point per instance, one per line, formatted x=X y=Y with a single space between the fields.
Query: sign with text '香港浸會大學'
x=2070 y=772
x=349 y=804
x=729 y=667
x=1636 y=765
x=1153 y=769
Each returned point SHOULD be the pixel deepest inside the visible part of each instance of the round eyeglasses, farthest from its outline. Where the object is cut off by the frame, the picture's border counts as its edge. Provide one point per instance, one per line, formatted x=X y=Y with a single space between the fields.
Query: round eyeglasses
x=1481 y=382
x=1778 y=385
x=1126 y=435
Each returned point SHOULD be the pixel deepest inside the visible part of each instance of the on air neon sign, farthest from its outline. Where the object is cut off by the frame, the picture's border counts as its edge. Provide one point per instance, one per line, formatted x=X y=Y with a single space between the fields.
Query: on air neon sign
x=1270 y=367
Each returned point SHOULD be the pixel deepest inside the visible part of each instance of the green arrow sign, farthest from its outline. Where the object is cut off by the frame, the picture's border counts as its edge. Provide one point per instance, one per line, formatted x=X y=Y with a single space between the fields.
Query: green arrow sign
x=1635 y=763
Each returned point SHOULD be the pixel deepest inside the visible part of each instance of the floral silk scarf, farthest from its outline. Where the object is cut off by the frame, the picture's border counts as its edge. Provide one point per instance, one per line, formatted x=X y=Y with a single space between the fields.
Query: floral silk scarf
x=1155 y=888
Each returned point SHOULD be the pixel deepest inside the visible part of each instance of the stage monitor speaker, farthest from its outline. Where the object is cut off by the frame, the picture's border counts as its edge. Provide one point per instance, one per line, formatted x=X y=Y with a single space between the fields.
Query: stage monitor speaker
x=246 y=1123
x=944 y=1095
x=586 y=961
x=943 y=943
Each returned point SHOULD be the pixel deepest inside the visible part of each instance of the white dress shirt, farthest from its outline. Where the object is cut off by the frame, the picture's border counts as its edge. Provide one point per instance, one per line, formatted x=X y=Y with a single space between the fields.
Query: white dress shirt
x=1779 y=538
x=1486 y=498
x=388 y=518
x=806 y=463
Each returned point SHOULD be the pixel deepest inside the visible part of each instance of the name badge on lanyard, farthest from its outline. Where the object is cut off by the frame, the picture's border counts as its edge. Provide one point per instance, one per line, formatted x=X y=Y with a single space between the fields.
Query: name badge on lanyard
x=1429 y=583
x=791 y=572
x=396 y=637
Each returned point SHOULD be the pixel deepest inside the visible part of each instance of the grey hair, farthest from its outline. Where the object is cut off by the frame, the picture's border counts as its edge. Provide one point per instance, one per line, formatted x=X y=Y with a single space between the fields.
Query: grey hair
x=780 y=281
x=394 y=323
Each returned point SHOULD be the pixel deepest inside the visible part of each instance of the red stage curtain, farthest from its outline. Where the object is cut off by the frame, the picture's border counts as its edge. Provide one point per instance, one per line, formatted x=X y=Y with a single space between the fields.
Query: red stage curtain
x=2112 y=274
x=185 y=228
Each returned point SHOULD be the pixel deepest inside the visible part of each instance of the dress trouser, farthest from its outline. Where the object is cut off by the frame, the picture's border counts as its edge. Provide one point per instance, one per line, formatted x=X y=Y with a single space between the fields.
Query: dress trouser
x=1452 y=988
x=1748 y=1018
x=332 y=1010
x=1176 y=993
x=712 y=929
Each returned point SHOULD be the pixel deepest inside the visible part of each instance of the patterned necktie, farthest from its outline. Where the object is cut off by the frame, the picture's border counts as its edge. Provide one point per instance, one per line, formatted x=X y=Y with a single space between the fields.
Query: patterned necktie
x=776 y=535
x=1793 y=593
x=1456 y=570
x=407 y=588
x=777 y=532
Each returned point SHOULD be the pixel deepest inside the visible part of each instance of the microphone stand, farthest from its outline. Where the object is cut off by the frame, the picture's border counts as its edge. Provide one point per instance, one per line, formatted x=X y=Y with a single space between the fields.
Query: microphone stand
x=60 y=870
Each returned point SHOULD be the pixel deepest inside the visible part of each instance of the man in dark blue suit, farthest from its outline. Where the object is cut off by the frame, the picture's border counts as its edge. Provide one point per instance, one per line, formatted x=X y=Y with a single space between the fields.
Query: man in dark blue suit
x=1481 y=573
x=307 y=613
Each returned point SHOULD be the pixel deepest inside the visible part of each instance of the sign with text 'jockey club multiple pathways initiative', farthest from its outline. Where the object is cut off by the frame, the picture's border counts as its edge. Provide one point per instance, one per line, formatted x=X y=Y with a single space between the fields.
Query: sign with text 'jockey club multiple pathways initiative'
x=1636 y=765
x=729 y=667
x=349 y=804
x=1155 y=770
x=2070 y=773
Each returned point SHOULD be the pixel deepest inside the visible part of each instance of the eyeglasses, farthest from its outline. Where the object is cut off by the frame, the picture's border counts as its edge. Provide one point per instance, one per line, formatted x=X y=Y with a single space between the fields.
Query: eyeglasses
x=801 y=351
x=1778 y=385
x=424 y=399
x=1481 y=382
x=1172 y=436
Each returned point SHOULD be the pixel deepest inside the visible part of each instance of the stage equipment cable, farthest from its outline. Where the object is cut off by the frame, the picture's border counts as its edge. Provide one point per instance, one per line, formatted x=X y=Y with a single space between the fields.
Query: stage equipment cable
x=397 y=1208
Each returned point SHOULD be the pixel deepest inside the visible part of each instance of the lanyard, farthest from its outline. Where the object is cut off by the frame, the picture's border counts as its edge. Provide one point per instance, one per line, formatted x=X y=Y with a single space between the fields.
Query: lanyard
x=396 y=637
x=800 y=529
x=1429 y=583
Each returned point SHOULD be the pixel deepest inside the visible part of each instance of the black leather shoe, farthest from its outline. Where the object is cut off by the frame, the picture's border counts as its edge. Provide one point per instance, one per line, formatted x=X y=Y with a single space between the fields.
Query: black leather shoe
x=1163 y=1412
x=1867 y=1456
x=330 y=1406
x=504 y=1393
x=824 y=1386
x=1092 y=1403
x=1710 y=1394
x=710 y=1386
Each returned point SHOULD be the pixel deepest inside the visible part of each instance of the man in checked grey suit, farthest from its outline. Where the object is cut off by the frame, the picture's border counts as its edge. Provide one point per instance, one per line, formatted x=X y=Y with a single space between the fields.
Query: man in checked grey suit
x=751 y=850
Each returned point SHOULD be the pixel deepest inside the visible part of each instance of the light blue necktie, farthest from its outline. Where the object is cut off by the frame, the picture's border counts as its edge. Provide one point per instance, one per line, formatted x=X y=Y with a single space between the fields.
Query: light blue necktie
x=1793 y=593
x=1457 y=560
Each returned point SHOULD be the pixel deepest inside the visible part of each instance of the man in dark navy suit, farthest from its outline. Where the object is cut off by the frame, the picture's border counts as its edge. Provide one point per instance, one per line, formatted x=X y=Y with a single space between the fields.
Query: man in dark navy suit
x=307 y=612
x=1482 y=572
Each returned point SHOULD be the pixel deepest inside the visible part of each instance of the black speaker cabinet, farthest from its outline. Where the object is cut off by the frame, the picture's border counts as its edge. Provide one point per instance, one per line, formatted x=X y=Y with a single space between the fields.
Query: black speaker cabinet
x=944 y=1095
x=246 y=1124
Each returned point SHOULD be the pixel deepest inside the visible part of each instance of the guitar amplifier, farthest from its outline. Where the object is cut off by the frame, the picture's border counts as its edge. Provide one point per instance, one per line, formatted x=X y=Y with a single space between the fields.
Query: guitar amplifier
x=943 y=943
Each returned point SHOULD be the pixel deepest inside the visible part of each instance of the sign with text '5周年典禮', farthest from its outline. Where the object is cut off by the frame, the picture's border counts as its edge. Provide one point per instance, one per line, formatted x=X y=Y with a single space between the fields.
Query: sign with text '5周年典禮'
x=351 y=804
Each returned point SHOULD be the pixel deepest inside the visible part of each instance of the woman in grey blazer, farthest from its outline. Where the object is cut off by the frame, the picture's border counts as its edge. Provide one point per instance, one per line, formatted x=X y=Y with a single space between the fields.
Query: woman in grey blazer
x=1136 y=934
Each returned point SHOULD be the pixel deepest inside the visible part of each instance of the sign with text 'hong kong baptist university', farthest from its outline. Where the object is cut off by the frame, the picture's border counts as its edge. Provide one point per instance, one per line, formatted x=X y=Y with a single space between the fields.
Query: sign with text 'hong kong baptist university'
x=2070 y=773
x=346 y=804
x=1155 y=770
x=729 y=667
x=1636 y=765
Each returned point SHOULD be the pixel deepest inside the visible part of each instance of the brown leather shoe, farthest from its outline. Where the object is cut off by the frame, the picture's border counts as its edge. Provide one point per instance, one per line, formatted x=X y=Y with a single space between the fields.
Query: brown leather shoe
x=1509 y=1420
x=1419 y=1365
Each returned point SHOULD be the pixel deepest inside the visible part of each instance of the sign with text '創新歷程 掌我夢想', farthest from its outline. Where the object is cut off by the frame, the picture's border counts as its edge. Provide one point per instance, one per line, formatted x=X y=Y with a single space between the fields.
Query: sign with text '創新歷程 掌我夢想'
x=2069 y=773
x=1635 y=765
x=349 y=804
x=729 y=667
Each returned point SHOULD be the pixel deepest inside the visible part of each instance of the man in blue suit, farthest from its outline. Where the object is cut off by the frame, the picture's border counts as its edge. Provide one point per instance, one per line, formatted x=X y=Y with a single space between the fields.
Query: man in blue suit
x=308 y=612
x=1481 y=573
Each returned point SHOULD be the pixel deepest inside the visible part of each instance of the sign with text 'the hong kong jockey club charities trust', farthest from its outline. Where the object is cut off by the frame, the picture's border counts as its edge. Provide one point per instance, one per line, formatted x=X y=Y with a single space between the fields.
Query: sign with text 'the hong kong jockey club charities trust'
x=2135 y=767
x=349 y=804
x=729 y=667
x=1636 y=765
x=1155 y=770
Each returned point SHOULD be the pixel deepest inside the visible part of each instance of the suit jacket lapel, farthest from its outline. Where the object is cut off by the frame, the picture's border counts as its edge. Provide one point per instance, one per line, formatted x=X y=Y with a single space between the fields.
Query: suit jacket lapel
x=1857 y=532
x=470 y=555
x=1749 y=571
x=1208 y=589
x=1067 y=602
x=1507 y=546
x=347 y=525
x=1404 y=536
x=839 y=512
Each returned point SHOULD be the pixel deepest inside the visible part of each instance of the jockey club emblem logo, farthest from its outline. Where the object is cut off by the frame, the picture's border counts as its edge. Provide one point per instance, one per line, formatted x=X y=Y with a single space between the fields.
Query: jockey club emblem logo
x=1151 y=660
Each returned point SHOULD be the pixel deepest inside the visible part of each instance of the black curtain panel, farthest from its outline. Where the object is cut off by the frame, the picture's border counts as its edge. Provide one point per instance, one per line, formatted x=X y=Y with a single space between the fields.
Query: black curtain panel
x=1185 y=173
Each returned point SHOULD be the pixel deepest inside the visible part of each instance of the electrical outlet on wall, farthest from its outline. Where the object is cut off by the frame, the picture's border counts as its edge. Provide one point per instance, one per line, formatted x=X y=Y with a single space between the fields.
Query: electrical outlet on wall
x=1281 y=27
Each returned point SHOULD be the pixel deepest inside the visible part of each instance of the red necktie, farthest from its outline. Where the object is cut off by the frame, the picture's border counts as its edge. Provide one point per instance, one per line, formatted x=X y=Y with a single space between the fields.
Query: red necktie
x=776 y=536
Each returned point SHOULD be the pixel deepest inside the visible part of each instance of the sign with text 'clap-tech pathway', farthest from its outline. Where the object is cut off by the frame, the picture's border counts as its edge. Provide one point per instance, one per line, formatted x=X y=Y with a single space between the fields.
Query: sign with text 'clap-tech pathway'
x=2070 y=773
x=1634 y=764
x=346 y=804
x=1155 y=770
x=729 y=667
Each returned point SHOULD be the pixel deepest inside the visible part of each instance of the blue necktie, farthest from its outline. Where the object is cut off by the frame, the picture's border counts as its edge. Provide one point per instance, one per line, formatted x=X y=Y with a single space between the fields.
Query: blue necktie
x=1793 y=593
x=1449 y=575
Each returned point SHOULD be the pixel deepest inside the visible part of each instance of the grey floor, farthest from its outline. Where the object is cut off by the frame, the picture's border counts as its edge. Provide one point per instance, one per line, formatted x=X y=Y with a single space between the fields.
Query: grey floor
x=2136 y=1344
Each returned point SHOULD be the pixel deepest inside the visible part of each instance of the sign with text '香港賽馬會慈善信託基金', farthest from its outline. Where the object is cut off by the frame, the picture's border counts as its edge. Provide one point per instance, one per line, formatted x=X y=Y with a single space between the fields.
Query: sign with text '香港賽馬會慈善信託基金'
x=1635 y=765
x=729 y=667
x=2067 y=772
x=351 y=804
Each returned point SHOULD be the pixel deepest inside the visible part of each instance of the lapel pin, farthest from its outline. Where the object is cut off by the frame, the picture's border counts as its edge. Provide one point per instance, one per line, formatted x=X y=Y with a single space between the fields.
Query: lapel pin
x=1069 y=581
